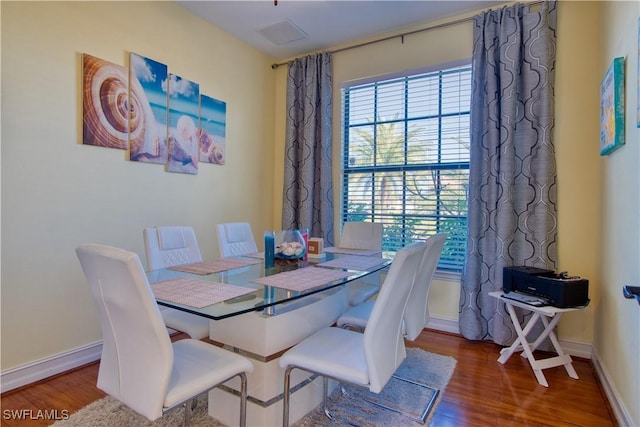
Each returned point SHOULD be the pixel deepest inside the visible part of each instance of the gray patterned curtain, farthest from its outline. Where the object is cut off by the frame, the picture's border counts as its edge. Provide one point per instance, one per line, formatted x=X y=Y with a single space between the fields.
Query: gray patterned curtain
x=512 y=176
x=308 y=190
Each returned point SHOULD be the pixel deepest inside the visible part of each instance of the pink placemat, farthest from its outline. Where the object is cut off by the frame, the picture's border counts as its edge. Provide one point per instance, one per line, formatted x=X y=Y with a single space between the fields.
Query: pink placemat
x=196 y=293
x=303 y=278
x=353 y=262
x=216 y=266
x=361 y=252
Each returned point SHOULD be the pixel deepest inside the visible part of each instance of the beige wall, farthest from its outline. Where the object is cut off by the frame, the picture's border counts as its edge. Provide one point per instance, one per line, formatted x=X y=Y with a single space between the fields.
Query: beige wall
x=576 y=141
x=57 y=193
x=617 y=332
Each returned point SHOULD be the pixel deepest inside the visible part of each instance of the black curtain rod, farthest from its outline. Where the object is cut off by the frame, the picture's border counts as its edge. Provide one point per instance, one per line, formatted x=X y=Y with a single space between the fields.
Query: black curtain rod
x=403 y=35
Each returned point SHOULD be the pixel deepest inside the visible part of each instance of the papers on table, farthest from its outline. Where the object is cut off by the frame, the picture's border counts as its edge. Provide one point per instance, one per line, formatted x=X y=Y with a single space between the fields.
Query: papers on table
x=361 y=252
x=303 y=278
x=353 y=262
x=196 y=293
x=216 y=266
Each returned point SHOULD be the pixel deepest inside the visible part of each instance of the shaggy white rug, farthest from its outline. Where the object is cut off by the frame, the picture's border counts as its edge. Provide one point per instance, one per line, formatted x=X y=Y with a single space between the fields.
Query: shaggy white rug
x=431 y=369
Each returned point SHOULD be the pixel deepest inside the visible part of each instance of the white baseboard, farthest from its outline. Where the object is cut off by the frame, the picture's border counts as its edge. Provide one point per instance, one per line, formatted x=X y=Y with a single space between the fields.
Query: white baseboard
x=617 y=406
x=577 y=348
x=44 y=368
x=443 y=324
x=574 y=348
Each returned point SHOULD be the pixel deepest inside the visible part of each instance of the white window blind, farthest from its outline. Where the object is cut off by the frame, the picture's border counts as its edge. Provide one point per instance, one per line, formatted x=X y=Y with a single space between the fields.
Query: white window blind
x=406 y=158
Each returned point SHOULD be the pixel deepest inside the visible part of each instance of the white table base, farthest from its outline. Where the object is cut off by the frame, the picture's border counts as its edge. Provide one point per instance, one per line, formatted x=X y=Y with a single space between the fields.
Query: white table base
x=263 y=339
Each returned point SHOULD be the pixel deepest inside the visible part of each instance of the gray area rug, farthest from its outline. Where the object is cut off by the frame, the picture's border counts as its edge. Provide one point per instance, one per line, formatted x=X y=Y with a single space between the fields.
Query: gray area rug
x=426 y=368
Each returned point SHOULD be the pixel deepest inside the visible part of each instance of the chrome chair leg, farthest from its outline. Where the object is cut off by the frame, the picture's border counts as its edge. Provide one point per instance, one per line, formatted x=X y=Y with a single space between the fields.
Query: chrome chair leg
x=243 y=399
x=285 y=397
x=422 y=417
x=325 y=406
x=187 y=413
x=325 y=388
x=343 y=390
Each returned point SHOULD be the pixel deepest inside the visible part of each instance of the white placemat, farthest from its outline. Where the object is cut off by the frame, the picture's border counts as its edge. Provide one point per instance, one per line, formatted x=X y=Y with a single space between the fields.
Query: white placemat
x=353 y=262
x=196 y=293
x=361 y=252
x=303 y=278
x=216 y=266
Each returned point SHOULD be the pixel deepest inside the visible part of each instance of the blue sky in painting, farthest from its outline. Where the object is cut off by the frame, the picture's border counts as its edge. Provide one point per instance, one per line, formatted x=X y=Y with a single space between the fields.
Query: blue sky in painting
x=152 y=76
x=213 y=115
x=184 y=99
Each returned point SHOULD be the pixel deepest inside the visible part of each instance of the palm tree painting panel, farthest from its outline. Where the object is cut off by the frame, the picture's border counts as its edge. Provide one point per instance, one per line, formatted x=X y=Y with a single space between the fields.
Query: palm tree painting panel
x=212 y=130
x=148 y=110
x=184 y=105
x=104 y=103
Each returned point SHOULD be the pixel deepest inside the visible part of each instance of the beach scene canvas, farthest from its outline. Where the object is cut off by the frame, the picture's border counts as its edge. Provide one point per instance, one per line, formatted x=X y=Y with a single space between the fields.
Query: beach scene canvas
x=212 y=131
x=184 y=104
x=148 y=110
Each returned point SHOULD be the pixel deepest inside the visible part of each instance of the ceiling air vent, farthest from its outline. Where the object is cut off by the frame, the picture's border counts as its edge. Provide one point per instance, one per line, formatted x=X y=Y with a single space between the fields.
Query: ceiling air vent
x=282 y=32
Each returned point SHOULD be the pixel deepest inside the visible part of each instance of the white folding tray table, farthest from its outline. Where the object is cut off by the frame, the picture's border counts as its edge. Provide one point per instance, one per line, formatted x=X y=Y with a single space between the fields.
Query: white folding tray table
x=549 y=316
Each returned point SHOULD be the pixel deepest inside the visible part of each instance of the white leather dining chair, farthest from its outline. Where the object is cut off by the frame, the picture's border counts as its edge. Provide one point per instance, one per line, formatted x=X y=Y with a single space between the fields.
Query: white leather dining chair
x=364 y=359
x=416 y=316
x=235 y=239
x=362 y=235
x=139 y=365
x=168 y=246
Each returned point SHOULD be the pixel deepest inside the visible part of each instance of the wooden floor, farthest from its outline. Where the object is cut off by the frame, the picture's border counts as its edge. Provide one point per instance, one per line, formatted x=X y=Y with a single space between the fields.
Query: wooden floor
x=482 y=392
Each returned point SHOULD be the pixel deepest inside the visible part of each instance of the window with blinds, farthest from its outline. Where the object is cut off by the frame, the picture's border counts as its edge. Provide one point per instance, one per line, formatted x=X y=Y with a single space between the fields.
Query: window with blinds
x=406 y=158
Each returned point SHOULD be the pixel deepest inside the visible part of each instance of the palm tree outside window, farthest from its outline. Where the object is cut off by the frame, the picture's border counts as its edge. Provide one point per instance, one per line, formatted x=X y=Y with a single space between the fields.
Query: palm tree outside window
x=406 y=158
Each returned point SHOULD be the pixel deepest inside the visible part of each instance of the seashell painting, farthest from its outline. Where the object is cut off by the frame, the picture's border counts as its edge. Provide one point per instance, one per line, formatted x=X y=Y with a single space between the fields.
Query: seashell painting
x=184 y=97
x=213 y=120
x=148 y=107
x=158 y=116
x=105 y=103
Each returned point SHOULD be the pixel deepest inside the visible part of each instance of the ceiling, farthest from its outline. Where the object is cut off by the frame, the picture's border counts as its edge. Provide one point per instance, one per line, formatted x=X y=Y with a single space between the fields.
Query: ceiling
x=322 y=24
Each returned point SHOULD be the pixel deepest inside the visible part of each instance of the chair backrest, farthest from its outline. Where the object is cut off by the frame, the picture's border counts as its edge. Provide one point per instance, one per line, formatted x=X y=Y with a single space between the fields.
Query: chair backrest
x=361 y=235
x=235 y=239
x=167 y=246
x=416 y=316
x=383 y=341
x=137 y=355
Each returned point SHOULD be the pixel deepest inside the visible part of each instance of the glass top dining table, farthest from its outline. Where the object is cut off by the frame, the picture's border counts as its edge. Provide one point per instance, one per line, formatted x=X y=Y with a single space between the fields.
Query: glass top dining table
x=261 y=289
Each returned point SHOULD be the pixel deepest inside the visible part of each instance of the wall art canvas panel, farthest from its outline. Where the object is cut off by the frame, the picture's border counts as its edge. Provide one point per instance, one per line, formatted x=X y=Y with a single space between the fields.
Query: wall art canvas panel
x=184 y=103
x=104 y=103
x=148 y=110
x=213 y=124
x=612 y=108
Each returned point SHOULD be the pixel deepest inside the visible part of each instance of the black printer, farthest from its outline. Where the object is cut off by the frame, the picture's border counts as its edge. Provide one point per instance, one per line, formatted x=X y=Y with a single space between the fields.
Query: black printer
x=559 y=289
